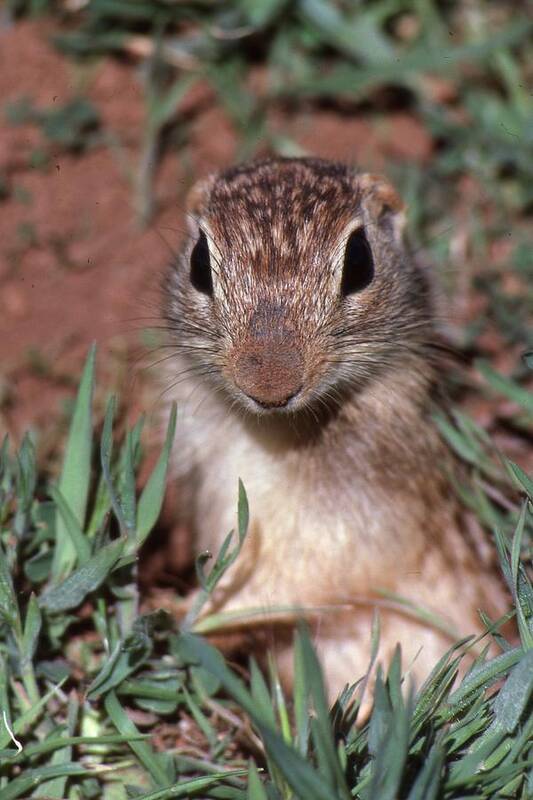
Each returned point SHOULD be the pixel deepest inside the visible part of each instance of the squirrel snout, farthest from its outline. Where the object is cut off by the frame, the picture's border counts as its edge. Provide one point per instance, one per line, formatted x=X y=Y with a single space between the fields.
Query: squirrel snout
x=269 y=371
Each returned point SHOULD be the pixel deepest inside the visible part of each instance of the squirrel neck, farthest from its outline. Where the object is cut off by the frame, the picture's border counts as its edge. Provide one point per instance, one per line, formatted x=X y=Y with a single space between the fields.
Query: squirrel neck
x=395 y=404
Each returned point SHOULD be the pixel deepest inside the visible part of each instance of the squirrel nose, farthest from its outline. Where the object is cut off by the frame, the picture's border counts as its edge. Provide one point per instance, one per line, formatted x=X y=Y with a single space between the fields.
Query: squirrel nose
x=268 y=366
x=269 y=372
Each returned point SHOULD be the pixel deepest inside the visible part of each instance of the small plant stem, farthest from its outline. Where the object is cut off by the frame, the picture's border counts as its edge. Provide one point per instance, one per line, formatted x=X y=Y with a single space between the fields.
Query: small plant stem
x=127 y=608
x=200 y=599
x=30 y=682
x=25 y=664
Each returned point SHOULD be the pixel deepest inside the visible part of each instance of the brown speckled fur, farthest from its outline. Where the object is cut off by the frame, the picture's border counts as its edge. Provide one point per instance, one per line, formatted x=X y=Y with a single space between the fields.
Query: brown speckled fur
x=344 y=469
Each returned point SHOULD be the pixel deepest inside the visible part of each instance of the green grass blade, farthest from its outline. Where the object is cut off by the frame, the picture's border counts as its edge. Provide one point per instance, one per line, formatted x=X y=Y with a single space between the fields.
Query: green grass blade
x=301 y=696
x=255 y=787
x=106 y=452
x=23 y=785
x=22 y=723
x=263 y=702
x=151 y=499
x=261 y=695
x=163 y=106
x=26 y=477
x=191 y=787
x=243 y=513
x=8 y=602
x=32 y=628
x=506 y=386
x=427 y=783
x=150 y=760
x=128 y=498
x=49 y=745
x=200 y=718
x=485 y=675
x=390 y=750
x=320 y=724
x=523 y=480
x=72 y=526
x=73 y=590
x=515 y=694
x=76 y=472
x=521 y=584
x=55 y=787
x=463 y=447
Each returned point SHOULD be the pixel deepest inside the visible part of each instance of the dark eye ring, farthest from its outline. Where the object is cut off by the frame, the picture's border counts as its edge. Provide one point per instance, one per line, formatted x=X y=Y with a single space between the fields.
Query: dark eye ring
x=201 y=277
x=358 y=267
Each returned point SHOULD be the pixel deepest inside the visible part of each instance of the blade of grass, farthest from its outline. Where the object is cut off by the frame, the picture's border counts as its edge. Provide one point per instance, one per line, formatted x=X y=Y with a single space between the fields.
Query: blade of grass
x=49 y=745
x=26 y=720
x=55 y=787
x=150 y=760
x=76 y=472
x=72 y=526
x=33 y=777
x=320 y=723
x=106 y=450
x=73 y=590
x=255 y=787
x=151 y=499
x=191 y=787
x=506 y=386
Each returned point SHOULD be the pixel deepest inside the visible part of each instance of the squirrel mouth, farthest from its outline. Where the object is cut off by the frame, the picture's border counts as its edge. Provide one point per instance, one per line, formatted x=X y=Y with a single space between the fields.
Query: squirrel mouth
x=270 y=374
x=277 y=404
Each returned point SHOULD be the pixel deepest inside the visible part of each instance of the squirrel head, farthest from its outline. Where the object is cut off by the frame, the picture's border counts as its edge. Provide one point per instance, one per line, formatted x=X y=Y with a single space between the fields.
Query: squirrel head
x=294 y=285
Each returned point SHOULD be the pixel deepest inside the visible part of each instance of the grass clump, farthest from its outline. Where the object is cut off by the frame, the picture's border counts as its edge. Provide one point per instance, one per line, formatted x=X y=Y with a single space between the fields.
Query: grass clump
x=72 y=126
x=92 y=691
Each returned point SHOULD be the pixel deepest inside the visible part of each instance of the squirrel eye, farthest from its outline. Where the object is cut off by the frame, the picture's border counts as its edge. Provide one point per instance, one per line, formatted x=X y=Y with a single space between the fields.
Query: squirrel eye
x=358 y=269
x=201 y=277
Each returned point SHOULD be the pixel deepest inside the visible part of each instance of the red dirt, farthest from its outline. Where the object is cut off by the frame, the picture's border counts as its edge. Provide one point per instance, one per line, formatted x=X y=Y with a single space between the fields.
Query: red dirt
x=89 y=267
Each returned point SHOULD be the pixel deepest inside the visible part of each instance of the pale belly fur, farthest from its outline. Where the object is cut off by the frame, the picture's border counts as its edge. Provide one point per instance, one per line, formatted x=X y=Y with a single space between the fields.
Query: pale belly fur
x=328 y=538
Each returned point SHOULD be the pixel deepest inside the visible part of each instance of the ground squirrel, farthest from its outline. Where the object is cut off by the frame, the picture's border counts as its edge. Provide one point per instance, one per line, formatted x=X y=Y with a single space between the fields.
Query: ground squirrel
x=305 y=364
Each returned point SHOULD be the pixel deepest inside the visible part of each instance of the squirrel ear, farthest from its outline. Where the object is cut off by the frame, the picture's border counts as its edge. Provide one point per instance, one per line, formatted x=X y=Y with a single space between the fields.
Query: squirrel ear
x=195 y=202
x=383 y=203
